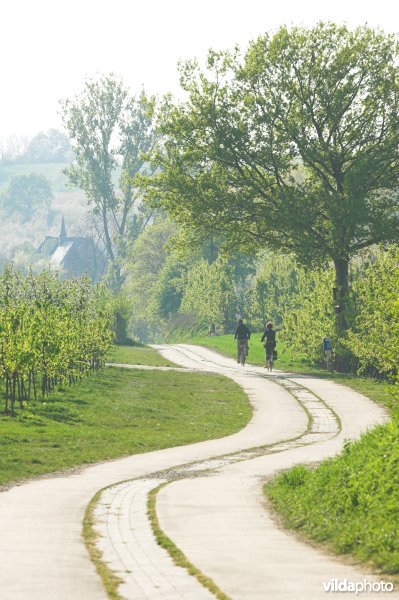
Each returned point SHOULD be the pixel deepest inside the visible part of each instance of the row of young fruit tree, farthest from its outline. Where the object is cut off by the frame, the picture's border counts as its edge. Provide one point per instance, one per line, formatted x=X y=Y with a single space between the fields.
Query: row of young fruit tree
x=52 y=332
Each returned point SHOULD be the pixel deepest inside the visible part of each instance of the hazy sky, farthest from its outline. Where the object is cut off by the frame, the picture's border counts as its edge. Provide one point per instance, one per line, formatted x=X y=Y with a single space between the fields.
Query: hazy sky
x=49 y=47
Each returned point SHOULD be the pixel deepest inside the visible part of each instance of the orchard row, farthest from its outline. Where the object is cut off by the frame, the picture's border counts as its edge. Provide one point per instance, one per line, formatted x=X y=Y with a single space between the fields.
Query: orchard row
x=52 y=332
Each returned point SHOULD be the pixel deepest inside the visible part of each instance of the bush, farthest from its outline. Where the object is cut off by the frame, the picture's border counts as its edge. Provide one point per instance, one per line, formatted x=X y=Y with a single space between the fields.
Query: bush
x=310 y=316
x=374 y=336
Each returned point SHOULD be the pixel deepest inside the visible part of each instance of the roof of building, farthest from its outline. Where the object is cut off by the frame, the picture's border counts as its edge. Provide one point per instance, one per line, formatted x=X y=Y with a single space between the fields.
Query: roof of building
x=60 y=253
x=73 y=255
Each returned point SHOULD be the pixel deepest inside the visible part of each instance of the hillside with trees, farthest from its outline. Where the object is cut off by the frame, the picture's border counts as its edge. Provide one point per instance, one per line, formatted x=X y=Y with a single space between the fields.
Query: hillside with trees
x=35 y=195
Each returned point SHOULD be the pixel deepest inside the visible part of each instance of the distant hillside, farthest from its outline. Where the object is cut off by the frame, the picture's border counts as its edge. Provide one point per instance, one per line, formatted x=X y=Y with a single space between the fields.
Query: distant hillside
x=18 y=240
x=52 y=172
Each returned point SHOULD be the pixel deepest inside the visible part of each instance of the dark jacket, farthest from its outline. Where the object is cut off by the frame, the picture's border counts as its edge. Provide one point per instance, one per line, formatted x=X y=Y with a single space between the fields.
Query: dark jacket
x=269 y=335
x=242 y=333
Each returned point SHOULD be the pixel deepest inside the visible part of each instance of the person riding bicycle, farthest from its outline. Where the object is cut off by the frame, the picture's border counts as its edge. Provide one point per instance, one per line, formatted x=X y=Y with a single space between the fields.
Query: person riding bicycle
x=270 y=336
x=242 y=336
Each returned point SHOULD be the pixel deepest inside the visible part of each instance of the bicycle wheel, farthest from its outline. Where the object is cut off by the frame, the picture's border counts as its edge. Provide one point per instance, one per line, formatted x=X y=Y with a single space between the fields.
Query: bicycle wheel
x=243 y=355
x=329 y=364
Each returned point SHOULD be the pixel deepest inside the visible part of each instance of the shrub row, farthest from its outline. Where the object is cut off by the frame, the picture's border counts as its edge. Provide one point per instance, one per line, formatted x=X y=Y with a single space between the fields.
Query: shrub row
x=51 y=331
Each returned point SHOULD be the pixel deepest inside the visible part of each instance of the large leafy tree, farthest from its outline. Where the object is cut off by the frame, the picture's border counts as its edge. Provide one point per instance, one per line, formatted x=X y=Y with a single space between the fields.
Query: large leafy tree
x=110 y=131
x=293 y=146
x=27 y=195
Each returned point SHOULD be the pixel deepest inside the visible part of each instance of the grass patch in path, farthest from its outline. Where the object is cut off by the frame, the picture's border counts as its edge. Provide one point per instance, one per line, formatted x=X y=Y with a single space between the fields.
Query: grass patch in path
x=179 y=558
x=115 y=413
x=110 y=581
x=137 y=355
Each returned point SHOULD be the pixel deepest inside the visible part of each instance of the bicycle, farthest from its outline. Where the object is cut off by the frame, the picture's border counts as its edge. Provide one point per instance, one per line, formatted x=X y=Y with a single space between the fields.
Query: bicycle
x=328 y=360
x=270 y=360
x=243 y=353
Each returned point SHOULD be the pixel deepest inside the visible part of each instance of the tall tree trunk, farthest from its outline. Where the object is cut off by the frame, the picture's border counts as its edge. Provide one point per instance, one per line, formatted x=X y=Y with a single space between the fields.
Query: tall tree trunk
x=116 y=275
x=342 y=359
x=108 y=241
x=341 y=295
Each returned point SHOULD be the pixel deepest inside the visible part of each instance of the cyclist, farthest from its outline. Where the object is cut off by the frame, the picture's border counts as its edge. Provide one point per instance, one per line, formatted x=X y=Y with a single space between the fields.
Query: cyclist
x=242 y=336
x=270 y=336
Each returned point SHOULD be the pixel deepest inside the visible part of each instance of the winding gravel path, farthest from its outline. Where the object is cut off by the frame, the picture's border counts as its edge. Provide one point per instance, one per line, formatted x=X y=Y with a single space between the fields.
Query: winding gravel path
x=212 y=507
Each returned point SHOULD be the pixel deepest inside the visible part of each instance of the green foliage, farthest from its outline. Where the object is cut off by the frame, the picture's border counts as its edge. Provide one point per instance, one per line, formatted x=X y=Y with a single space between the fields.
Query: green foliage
x=210 y=293
x=122 y=307
x=26 y=195
x=153 y=279
x=374 y=337
x=176 y=296
x=253 y=121
x=169 y=284
x=52 y=146
x=168 y=289
x=51 y=331
x=352 y=501
x=274 y=289
x=109 y=128
x=292 y=147
x=310 y=317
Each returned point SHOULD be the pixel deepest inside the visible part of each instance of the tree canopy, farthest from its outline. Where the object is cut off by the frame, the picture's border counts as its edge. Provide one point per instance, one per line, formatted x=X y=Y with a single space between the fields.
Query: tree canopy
x=110 y=131
x=26 y=195
x=293 y=146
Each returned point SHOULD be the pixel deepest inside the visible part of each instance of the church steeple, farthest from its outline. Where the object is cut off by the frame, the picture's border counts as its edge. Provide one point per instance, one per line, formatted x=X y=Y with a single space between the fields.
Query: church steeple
x=63 y=233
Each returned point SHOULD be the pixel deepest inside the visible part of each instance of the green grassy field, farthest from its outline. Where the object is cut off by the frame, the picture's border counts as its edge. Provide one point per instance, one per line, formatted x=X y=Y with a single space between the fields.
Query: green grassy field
x=51 y=171
x=116 y=413
x=137 y=355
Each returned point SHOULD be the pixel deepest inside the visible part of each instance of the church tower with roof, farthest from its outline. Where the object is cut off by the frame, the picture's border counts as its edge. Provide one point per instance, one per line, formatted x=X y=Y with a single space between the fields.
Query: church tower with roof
x=73 y=256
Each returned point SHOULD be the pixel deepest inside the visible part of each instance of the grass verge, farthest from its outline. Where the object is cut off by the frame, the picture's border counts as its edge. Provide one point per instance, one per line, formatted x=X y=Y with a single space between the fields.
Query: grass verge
x=115 y=413
x=350 y=503
x=179 y=558
x=137 y=355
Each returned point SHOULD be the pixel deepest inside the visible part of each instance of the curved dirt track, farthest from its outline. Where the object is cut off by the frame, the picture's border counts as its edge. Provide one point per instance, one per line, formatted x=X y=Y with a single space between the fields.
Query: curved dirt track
x=217 y=519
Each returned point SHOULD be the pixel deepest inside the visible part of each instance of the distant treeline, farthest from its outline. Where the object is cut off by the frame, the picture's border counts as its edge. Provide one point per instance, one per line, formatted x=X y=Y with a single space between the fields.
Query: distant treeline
x=52 y=146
